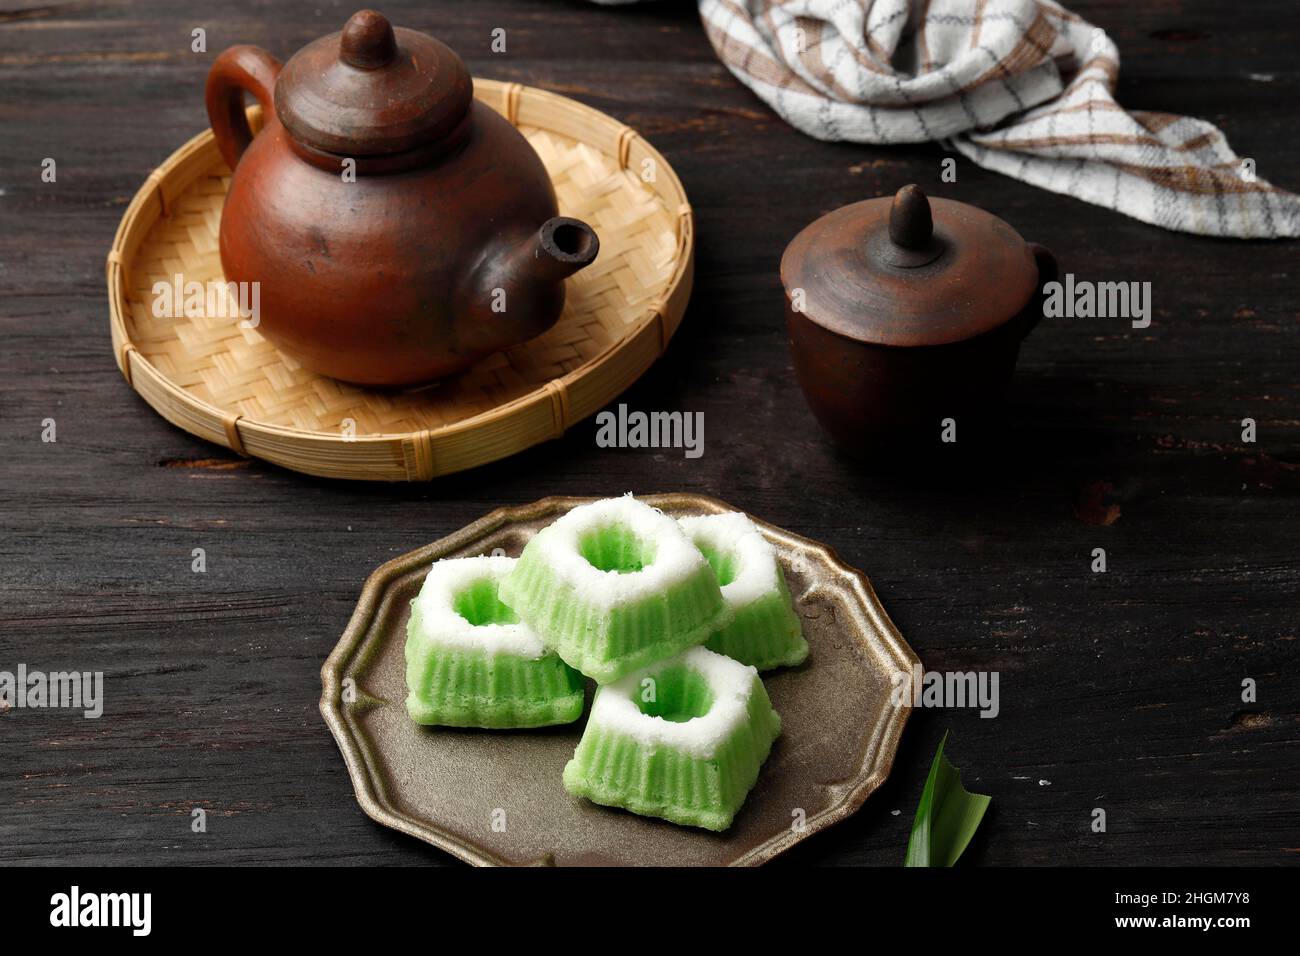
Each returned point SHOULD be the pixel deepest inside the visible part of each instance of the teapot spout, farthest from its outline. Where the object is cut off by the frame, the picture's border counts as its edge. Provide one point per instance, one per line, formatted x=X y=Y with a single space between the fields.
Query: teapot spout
x=556 y=251
x=517 y=292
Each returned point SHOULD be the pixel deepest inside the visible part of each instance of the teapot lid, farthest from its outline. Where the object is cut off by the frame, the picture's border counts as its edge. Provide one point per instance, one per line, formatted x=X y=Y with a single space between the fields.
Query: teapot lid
x=910 y=271
x=372 y=90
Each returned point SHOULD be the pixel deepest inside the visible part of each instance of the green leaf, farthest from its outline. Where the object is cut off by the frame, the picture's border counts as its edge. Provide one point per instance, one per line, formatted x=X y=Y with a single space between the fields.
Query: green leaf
x=946 y=818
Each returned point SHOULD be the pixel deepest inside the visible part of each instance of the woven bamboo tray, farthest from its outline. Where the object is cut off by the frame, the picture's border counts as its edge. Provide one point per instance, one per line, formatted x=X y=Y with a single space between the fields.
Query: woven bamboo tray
x=227 y=384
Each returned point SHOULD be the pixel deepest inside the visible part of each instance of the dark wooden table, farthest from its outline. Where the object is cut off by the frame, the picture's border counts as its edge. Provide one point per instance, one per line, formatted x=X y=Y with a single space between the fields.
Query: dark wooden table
x=1119 y=690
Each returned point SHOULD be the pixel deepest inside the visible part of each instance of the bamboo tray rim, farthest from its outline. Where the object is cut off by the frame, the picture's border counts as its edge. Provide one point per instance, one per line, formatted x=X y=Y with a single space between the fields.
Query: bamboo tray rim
x=622 y=142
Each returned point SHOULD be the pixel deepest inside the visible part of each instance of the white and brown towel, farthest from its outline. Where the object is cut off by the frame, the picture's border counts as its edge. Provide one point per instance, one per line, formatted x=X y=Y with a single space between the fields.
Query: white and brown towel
x=1022 y=87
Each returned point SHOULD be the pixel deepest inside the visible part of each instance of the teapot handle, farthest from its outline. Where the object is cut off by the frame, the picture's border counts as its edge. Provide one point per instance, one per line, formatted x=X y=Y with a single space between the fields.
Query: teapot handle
x=1047 y=271
x=237 y=70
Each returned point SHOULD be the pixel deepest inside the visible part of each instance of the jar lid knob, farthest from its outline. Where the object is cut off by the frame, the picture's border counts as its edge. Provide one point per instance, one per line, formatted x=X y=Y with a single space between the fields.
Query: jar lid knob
x=367 y=42
x=910 y=222
x=909 y=242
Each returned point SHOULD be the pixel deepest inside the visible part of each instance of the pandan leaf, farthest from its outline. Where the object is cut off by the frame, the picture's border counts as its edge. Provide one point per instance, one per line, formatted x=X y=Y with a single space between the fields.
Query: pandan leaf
x=946 y=818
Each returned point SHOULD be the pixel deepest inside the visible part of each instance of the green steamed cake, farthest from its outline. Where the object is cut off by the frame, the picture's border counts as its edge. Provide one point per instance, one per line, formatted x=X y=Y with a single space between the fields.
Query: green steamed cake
x=764 y=630
x=682 y=739
x=613 y=586
x=470 y=662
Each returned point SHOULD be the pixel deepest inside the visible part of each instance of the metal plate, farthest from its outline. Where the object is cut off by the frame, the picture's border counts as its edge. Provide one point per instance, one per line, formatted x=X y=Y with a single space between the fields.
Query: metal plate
x=495 y=797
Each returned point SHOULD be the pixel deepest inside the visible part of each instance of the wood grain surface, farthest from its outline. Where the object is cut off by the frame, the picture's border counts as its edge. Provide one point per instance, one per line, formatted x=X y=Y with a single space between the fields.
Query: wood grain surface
x=1119 y=690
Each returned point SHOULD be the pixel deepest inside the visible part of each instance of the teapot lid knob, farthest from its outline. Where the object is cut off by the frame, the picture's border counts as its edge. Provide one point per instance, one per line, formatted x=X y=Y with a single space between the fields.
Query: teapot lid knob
x=367 y=42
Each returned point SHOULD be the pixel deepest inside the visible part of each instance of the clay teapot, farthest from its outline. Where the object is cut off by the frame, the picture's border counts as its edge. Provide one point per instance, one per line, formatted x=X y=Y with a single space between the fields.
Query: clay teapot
x=908 y=311
x=399 y=229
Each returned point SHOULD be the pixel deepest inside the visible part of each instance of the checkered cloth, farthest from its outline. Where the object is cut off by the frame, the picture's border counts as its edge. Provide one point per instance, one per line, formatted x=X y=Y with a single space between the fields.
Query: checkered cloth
x=1022 y=87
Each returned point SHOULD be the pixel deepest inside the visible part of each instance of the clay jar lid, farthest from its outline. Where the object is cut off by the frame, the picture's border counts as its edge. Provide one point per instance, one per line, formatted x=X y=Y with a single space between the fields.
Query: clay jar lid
x=372 y=90
x=909 y=271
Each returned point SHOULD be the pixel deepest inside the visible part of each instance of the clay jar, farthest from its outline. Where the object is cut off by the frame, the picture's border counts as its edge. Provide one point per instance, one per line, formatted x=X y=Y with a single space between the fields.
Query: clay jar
x=904 y=312
x=399 y=229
